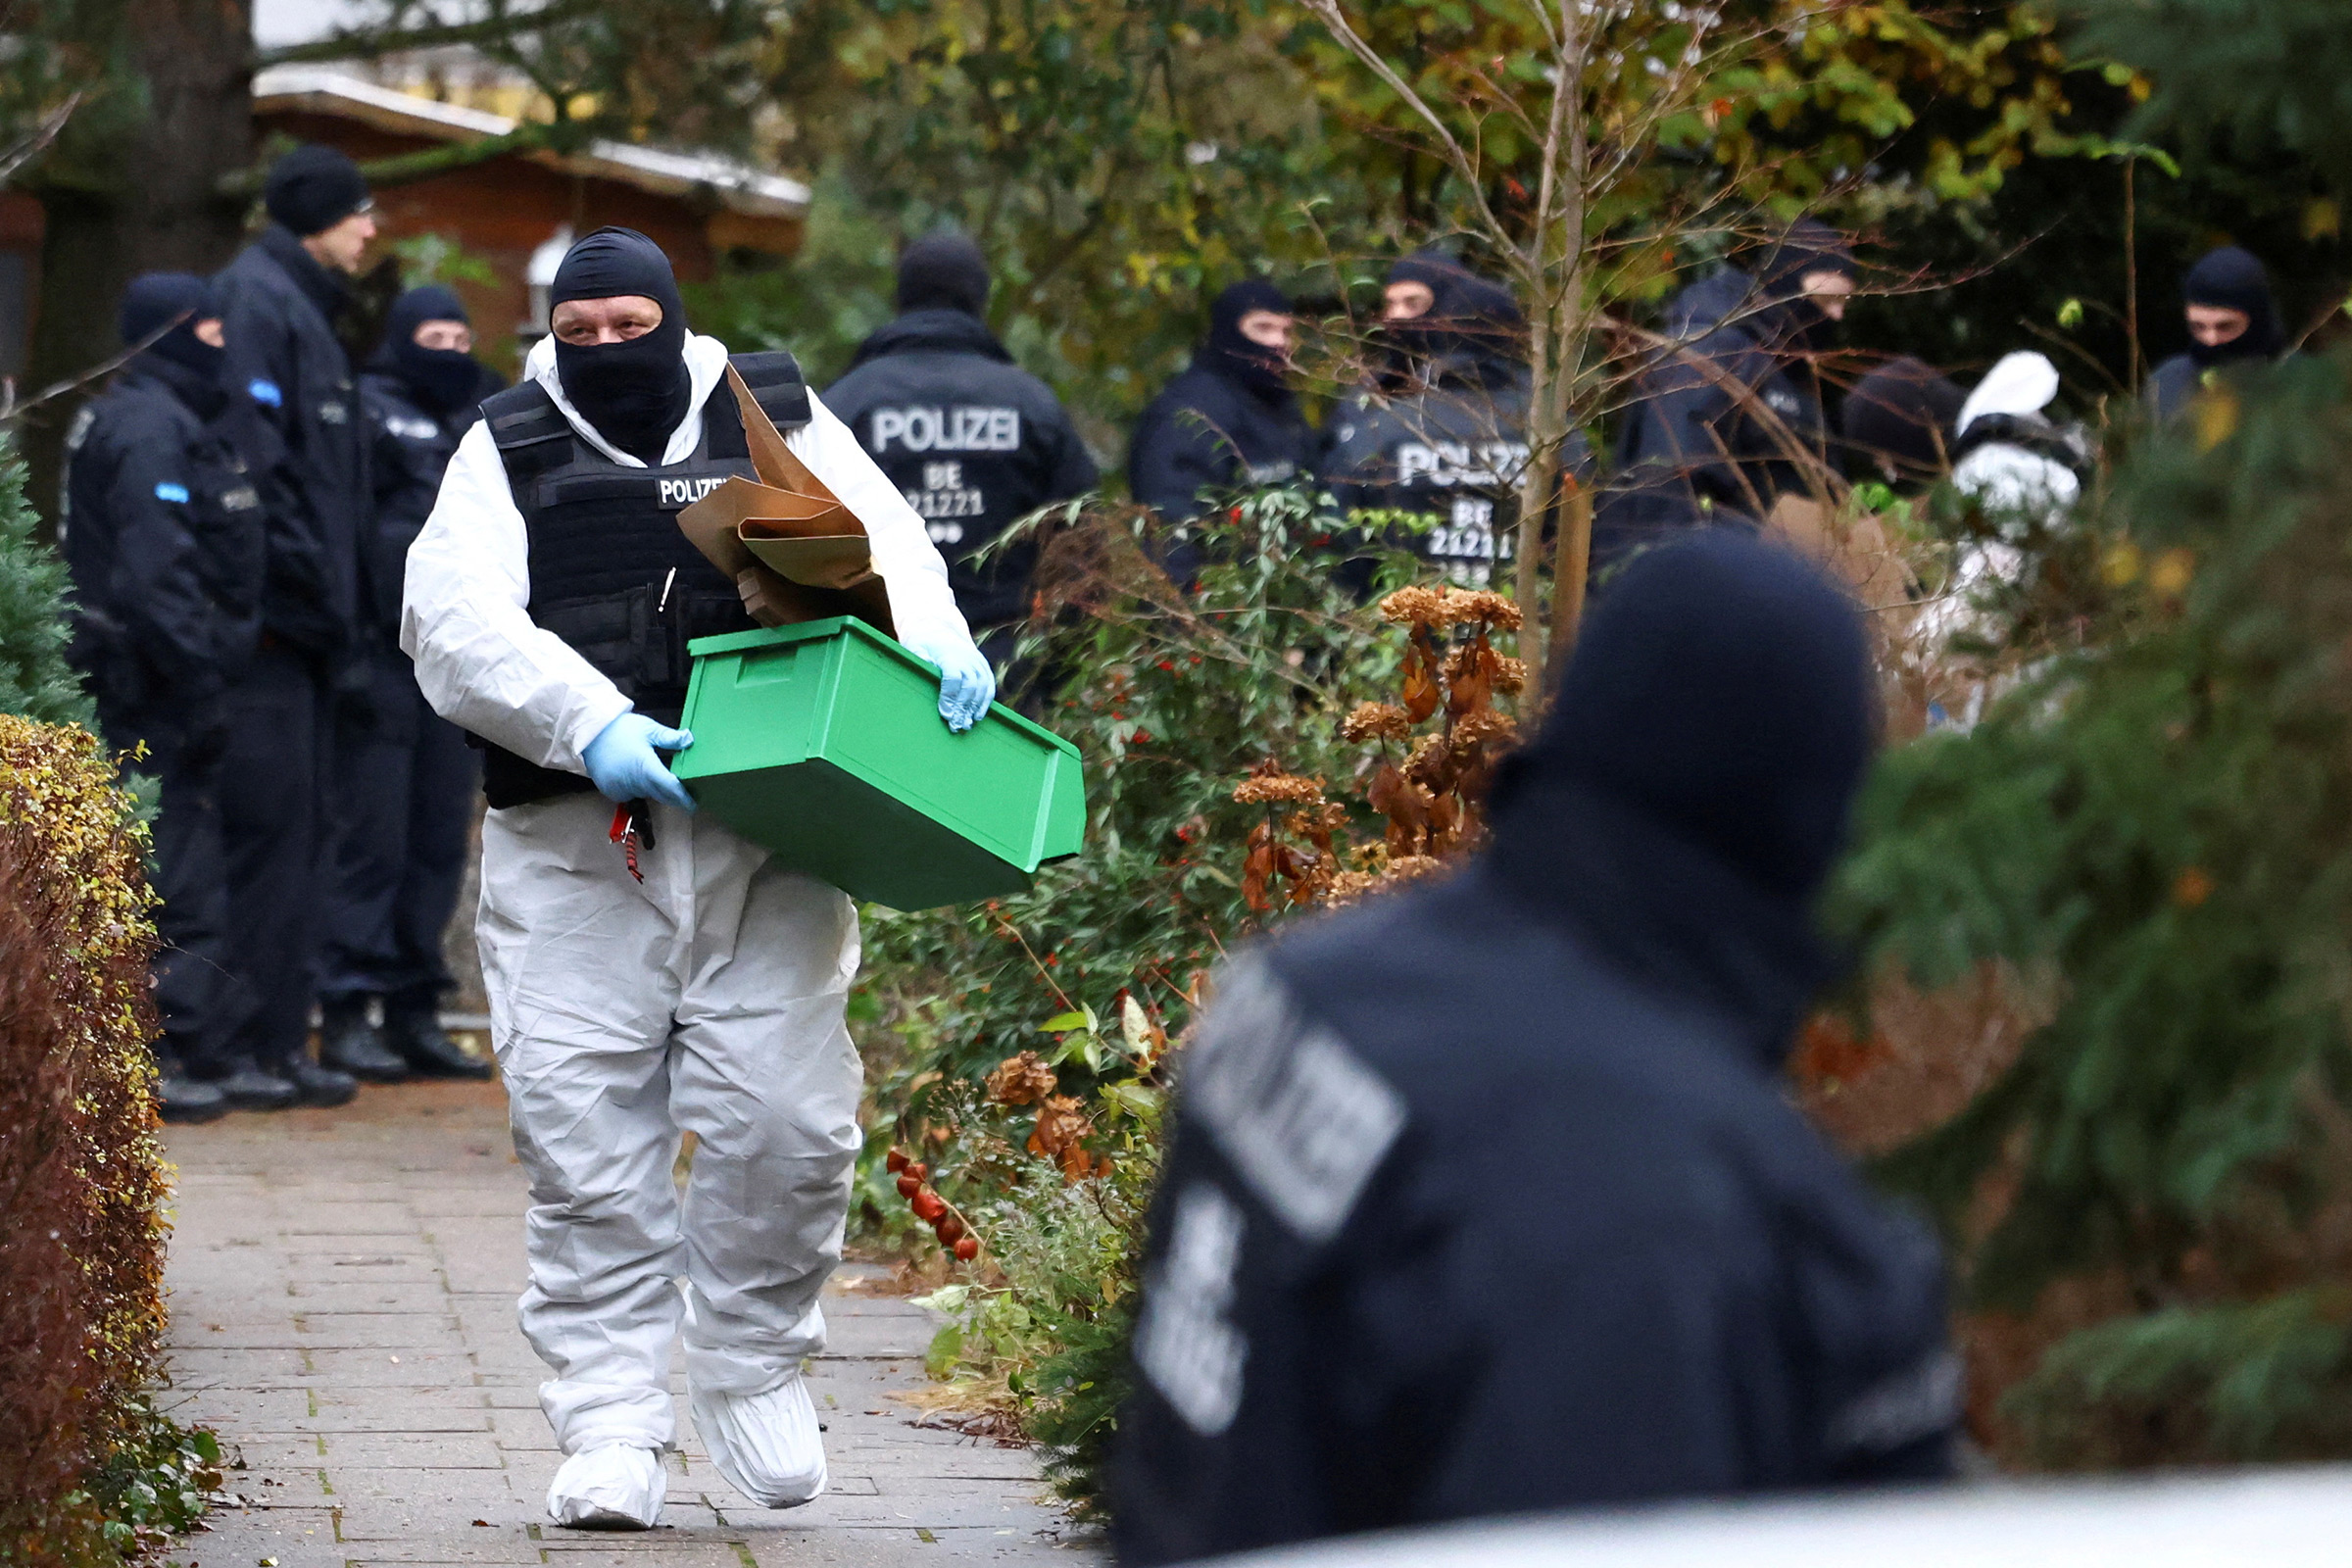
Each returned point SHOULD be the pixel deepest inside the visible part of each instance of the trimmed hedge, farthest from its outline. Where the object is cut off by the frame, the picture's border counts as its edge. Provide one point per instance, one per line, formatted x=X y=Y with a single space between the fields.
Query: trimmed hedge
x=82 y=1177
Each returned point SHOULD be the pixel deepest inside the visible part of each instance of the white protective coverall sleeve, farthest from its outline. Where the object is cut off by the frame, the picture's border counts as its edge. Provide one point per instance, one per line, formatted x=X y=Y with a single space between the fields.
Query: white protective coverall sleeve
x=487 y=667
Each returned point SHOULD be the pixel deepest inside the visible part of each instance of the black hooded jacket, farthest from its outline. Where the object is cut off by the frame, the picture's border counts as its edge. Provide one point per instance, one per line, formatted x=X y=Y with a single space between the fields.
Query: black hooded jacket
x=1445 y=431
x=1227 y=422
x=308 y=443
x=1486 y=1197
x=1713 y=420
x=416 y=435
x=971 y=439
x=163 y=533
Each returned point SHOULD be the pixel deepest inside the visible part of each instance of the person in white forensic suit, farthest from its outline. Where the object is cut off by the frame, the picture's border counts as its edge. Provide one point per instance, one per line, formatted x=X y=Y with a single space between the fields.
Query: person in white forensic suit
x=549 y=602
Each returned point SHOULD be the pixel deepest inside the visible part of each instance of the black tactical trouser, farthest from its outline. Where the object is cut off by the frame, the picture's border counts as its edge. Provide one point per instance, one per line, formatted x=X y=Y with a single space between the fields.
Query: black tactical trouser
x=404 y=804
x=270 y=789
x=202 y=999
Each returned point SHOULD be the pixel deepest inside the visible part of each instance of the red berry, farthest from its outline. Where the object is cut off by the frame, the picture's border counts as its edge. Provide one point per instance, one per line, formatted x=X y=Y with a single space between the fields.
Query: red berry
x=928 y=1207
x=909 y=1184
x=896 y=1162
x=966 y=1249
x=949 y=1228
x=918 y=1170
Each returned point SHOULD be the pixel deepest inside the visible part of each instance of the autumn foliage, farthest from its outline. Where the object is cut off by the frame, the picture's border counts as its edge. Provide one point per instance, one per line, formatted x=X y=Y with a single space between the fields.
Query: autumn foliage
x=83 y=1178
x=1426 y=786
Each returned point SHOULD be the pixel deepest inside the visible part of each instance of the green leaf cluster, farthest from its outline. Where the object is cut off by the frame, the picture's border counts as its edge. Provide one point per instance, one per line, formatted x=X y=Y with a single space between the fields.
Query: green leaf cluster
x=2158 y=826
x=35 y=681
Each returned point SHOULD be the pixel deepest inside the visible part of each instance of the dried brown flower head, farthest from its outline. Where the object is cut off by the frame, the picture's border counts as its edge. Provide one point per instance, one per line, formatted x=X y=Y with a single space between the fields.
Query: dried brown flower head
x=1510 y=674
x=1419 y=607
x=1412 y=867
x=1279 y=789
x=1484 y=607
x=1377 y=721
x=1484 y=725
x=1021 y=1080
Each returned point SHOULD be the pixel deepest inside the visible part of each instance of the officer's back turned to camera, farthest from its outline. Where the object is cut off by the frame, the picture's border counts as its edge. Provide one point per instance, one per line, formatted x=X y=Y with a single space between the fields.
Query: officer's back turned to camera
x=971 y=439
x=162 y=530
x=1486 y=1197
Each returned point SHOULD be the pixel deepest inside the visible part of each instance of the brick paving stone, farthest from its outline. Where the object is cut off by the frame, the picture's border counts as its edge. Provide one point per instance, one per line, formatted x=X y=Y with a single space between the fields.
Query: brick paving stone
x=343 y=1314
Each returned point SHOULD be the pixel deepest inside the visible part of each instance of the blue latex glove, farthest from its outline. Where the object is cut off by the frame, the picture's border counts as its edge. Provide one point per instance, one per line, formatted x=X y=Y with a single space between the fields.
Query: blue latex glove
x=966 y=685
x=625 y=762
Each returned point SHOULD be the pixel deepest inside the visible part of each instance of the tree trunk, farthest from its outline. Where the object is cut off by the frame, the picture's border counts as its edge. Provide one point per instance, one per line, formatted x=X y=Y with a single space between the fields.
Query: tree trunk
x=147 y=200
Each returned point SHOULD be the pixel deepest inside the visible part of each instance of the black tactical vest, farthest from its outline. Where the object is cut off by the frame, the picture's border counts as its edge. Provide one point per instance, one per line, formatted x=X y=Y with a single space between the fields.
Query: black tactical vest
x=611 y=573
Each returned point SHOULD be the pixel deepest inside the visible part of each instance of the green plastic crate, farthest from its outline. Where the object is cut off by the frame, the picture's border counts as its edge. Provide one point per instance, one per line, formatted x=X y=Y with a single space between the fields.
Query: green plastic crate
x=824 y=743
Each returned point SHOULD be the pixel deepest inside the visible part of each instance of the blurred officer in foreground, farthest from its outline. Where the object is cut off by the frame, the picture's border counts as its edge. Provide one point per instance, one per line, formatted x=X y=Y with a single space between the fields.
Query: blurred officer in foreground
x=1486 y=1197
x=162 y=530
x=1729 y=414
x=2233 y=319
x=1443 y=429
x=278 y=301
x=973 y=441
x=405 y=784
x=1231 y=419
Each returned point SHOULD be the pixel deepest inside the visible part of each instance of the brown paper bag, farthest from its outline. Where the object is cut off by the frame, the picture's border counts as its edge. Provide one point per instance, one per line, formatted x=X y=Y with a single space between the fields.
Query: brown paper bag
x=795 y=552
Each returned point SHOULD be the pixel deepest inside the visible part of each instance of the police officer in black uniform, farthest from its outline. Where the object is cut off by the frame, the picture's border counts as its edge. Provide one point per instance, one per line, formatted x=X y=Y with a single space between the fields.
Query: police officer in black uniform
x=972 y=440
x=1442 y=432
x=1231 y=419
x=405 y=785
x=1729 y=414
x=1486 y=1196
x=280 y=300
x=162 y=530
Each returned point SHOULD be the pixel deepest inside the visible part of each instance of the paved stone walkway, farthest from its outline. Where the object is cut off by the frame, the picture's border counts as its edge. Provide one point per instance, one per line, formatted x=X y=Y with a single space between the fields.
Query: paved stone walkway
x=343 y=1314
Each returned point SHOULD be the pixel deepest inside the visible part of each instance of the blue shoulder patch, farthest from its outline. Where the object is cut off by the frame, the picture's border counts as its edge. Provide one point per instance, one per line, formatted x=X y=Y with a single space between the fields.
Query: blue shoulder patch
x=262 y=391
x=167 y=491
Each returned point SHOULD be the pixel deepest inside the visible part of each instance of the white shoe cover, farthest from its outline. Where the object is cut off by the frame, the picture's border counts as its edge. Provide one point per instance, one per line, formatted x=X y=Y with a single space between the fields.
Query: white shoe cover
x=765 y=1445
x=616 y=1487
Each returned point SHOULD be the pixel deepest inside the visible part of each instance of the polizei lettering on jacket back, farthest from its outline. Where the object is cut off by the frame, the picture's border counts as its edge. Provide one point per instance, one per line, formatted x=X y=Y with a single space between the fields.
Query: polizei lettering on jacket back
x=676 y=493
x=958 y=429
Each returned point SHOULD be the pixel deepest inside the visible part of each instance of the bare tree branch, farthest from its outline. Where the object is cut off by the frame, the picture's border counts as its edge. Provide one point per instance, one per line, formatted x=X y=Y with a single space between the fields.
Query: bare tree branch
x=36 y=141
x=370 y=43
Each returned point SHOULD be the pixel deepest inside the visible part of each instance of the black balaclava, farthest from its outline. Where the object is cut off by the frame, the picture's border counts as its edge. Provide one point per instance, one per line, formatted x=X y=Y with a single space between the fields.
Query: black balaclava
x=2233 y=279
x=944 y=272
x=1689 y=792
x=635 y=393
x=1786 y=318
x=1235 y=356
x=1905 y=411
x=159 y=297
x=312 y=189
x=440 y=379
x=1469 y=319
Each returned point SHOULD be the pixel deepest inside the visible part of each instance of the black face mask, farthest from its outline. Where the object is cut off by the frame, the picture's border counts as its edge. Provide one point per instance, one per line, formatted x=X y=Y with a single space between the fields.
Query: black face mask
x=441 y=379
x=635 y=393
x=2233 y=279
x=1230 y=354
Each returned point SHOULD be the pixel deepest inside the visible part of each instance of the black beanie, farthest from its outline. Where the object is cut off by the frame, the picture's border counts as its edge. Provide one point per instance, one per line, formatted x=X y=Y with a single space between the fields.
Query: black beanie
x=944 y=272
x=157 y=298
x=2235 y=279
x=1904 y=411
x=428 y=302
x=312 y=188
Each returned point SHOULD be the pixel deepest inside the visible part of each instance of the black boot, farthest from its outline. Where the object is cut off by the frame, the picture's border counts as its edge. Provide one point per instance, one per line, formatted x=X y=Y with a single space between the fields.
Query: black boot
x=414 y=1029
x=181 y=1100
x=349 y=1043
x=319 y=1086
x=246 y=1086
